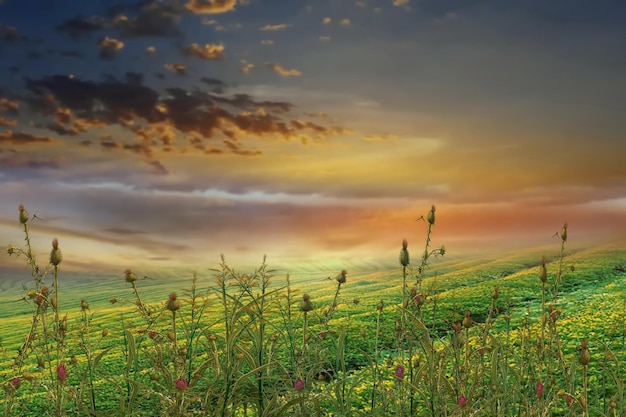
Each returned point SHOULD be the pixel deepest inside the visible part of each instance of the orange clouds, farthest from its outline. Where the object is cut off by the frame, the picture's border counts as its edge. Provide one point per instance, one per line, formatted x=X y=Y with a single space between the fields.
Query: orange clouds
x=109 y=47
x=208 y=51
x=211 y=6
x=282 y=71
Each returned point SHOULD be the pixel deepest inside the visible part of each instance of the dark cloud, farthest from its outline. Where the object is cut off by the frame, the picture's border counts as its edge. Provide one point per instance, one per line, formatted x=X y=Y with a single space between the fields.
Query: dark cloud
x=80 y=26
x=109 y=48
x=8 y=33
x=15 y=161
x=153 y=19
x=74 y=106
x=20 y=138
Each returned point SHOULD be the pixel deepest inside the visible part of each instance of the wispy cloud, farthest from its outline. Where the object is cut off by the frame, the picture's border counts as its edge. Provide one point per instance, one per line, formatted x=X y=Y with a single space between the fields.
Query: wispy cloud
x=281 y=26
x=283 y=71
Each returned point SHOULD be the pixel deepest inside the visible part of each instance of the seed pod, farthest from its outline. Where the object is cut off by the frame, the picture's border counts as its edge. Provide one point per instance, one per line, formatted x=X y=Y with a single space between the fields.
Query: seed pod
x=380 y=305
x=431 y=215
x=404 y=254
x=105 y=332
x=584 y=357
x=467 y=320
x=130 y=276
x=173 y=303
x=23 y=214
x=341 y=278
x=84 y=305
x=564 y=232
x=55 y=254
x=306 y=304
x=495 y=293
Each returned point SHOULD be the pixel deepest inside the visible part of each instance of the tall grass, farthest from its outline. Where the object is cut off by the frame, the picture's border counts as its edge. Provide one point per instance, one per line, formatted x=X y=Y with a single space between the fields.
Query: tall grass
x=248 y=344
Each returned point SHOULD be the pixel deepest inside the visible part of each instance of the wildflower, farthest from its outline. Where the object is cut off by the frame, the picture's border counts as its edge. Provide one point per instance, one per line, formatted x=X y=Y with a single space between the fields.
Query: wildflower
x=380 y=305
x=431 y=215
x=467 y=320
x=181 y=384
x=341 y=278
x=399 y=372
x=539 y=389
x=543 y=273
x=171 y=336
x=112 y=300
x=172 y=303
x=53 y=301
x=15 y=383
x=298 y=385
x=23 y=214
x=564 y=232
x=154 y=376
x=152 y=334
x=584 y=356
x=84 y=305
x=462 y=401
x=323 y=335
x=105 y=332
x=130 y=276
x=10 y=249
x=61 y=373
x=306 y=304
x=45 y=291
x=55 y=254
x=495 y=293
x=404 y=254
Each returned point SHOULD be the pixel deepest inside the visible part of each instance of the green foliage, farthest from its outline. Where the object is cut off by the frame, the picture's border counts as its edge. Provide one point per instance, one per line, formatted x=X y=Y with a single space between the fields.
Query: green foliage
x=475 y=337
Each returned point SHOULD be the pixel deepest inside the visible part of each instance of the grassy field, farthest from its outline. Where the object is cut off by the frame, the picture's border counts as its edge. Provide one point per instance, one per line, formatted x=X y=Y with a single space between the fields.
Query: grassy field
x=483 y=336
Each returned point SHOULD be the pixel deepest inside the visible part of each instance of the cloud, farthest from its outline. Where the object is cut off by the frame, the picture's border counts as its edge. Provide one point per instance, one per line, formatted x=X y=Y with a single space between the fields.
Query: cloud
x=109 y=48
x=247 y=66
x=9 y=106
x=15 y=161
x=180 y=69
x=267 y=42
x=151 y=50
x=326 y=20
x=281 y=26
x=79 y=26
x=324 y=38
x=20 y=138
x=153 y=19
x=7 y=122
x=282 y=71
x=8 y=33
x=211 y=6
x=400 y=3
x=208 y=51
x=345 y=22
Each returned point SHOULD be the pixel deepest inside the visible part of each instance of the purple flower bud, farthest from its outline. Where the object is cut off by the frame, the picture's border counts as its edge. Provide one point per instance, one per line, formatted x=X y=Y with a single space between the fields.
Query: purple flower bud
x=298 y=385
x=399 y=372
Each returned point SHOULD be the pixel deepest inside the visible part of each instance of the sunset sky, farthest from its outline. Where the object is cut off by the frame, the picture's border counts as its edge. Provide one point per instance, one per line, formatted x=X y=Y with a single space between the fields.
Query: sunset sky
x=160 y=134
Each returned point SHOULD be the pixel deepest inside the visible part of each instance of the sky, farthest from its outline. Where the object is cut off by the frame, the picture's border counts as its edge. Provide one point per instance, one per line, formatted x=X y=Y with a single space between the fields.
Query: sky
x=160 y=134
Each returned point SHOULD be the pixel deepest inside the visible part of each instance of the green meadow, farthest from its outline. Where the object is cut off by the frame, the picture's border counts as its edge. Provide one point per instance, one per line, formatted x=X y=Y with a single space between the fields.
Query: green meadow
x=534 y=332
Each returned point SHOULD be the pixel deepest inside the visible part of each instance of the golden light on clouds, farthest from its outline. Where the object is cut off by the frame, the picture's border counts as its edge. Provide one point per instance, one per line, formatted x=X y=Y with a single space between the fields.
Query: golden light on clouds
x=283 y=71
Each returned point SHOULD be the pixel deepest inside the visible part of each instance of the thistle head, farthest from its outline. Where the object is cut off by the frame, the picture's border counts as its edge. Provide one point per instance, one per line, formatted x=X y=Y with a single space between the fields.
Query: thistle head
x=431 y=216
x=173 y=303
x=298 y=385
x=181 y=384
x=306 y=304
x=55 y=254
x=341 y=278
x=130 y=276
x=23 y=214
